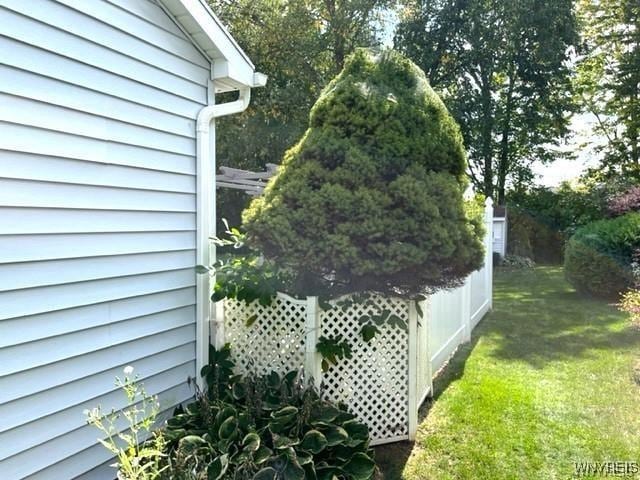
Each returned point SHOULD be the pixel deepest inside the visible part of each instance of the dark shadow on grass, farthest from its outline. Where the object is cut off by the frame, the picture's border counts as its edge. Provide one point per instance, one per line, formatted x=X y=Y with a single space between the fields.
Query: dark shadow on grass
x=392 y=458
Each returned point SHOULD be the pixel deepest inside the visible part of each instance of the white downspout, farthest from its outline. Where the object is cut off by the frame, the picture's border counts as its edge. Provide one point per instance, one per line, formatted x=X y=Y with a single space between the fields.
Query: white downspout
x=205 y=216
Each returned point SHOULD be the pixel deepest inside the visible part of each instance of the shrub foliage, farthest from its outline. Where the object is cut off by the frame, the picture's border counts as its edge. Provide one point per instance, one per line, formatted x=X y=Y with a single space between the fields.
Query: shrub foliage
x=264 y=428
x=370 y=199
x=541 y=219
x=599 y=257
x=629 y=201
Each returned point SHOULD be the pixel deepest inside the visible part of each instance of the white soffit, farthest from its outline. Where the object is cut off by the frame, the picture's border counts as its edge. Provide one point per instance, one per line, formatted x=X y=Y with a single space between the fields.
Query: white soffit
x=231 y=68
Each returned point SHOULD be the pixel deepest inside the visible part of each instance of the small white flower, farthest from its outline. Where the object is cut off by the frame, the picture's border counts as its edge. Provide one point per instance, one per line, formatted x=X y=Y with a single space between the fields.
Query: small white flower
x=128 y=370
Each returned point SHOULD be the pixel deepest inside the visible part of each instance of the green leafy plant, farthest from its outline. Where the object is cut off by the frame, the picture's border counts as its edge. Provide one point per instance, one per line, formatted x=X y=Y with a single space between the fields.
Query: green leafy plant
x=630 y=303
x=516 y=262
x=371 y=198
x=218 y=374
x=266 y=428
x=331 y=349
x=599 y=257
x=138 y=450
x=243 y=274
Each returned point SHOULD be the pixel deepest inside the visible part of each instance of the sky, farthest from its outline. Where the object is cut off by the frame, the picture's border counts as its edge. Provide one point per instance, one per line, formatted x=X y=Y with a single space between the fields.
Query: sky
x=563 y=169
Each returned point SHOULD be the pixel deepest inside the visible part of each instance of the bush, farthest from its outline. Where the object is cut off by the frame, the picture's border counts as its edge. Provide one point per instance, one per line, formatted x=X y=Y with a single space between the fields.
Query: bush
x=264 y=428
x=529 y=237
x=627 y=202
x=370 y=199
x=598 y=258
x=517 y=262
x=631 y=304
x=541 y=218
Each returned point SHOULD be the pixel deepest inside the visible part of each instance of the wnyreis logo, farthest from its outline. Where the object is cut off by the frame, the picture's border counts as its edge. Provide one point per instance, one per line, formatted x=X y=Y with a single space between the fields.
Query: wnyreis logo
x=607 y=469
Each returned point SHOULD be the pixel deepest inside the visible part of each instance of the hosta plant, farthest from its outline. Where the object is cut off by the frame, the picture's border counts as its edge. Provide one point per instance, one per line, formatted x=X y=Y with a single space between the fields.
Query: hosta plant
x=265 y=428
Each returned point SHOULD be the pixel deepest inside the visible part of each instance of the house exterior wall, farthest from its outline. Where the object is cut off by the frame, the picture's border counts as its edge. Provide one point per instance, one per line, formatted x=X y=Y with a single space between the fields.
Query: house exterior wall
x=98 y=101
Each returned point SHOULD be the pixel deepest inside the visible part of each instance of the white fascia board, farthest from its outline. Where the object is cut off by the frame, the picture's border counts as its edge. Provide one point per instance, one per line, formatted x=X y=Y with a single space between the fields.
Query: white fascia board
x=231 y=68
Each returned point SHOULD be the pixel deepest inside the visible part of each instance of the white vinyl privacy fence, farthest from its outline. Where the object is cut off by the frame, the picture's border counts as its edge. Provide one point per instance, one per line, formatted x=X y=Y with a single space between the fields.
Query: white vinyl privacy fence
x=388 y=378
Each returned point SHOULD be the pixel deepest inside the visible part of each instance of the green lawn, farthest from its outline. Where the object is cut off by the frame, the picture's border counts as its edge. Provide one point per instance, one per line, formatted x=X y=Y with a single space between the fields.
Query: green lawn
x=547 y=381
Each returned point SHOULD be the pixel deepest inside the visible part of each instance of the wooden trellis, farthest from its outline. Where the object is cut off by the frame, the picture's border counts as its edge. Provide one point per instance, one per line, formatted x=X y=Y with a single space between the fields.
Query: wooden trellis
x=252 y=183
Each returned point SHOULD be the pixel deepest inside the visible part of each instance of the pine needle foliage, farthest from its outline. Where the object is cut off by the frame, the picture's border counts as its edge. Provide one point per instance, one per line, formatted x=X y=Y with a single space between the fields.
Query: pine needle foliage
x=371 y=197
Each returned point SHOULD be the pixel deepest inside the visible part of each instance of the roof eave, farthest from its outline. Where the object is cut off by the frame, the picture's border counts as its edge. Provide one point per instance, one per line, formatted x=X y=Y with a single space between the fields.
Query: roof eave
x=231 y=68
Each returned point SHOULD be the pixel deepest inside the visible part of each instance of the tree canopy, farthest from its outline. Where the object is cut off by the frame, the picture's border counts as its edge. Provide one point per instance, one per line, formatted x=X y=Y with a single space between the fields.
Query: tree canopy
x=502 y=69
x=300 y=45
x=608 y=80
x=370 y=199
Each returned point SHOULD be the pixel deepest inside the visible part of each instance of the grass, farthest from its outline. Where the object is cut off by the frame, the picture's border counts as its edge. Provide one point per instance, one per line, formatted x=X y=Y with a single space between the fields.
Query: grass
x=547 y=381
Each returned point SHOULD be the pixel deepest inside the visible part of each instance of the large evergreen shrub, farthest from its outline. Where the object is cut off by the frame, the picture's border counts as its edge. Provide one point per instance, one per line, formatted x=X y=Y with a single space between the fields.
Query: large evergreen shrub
x=370 y=199
x=599 y=256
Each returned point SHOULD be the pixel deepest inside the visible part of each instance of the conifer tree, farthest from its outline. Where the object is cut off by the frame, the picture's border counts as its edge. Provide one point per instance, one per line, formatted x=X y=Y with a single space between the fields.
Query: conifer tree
x=371 y=197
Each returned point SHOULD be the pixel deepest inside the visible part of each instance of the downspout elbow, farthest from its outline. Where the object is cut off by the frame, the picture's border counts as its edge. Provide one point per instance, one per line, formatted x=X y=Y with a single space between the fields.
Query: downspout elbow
x=210 y=112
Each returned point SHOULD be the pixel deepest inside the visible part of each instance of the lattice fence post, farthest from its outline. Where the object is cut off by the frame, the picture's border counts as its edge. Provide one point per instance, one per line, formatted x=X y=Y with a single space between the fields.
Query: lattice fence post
x=312 y=359
x=217 y=331
x=413 y=370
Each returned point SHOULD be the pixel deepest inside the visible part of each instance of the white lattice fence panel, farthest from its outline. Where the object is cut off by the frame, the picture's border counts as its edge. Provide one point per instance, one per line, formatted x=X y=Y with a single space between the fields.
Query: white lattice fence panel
x=275 y=340
x=374 y=382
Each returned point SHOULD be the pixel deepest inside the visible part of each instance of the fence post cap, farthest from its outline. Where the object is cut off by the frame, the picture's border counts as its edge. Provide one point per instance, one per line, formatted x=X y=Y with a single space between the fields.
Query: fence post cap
x=488 y=202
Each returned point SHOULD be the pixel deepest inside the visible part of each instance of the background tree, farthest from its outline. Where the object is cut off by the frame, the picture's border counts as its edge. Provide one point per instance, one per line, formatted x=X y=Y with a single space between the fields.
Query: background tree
x=608 y=80
x=502 y=69
x=300 y=45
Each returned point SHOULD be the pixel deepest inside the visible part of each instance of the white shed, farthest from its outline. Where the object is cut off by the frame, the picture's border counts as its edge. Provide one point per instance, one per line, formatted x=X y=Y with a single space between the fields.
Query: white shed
x=106 y=206
x=500 y=230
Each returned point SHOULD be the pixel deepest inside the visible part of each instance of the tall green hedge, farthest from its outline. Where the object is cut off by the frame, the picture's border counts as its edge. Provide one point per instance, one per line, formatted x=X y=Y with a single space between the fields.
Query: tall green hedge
x=370 y=199
x=598 y=256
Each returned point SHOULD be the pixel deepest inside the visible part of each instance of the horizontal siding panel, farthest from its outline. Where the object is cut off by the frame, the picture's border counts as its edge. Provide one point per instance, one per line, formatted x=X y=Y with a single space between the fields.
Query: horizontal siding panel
x=149 y=12
x=72 y=418
x=50 y=324
x=38 y=458
x=28 y=139
x=52 y=375
x=47 y=38
x=80 y=465
x=20 y=220
x=27 y=193
x=24 y=111
x=45 y=168
x=20 y=302
x=101 y=472
x=15 y=276
x=29 y=58
x=56 y=92
x=98 y=102
x=28 y=248
x=50 y=350
x=175 y=43
x=75 y=23
x=19 y=412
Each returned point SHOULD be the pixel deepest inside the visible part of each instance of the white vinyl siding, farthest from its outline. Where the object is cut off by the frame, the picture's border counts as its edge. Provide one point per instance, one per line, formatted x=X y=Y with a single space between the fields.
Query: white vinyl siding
x=98 y=101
